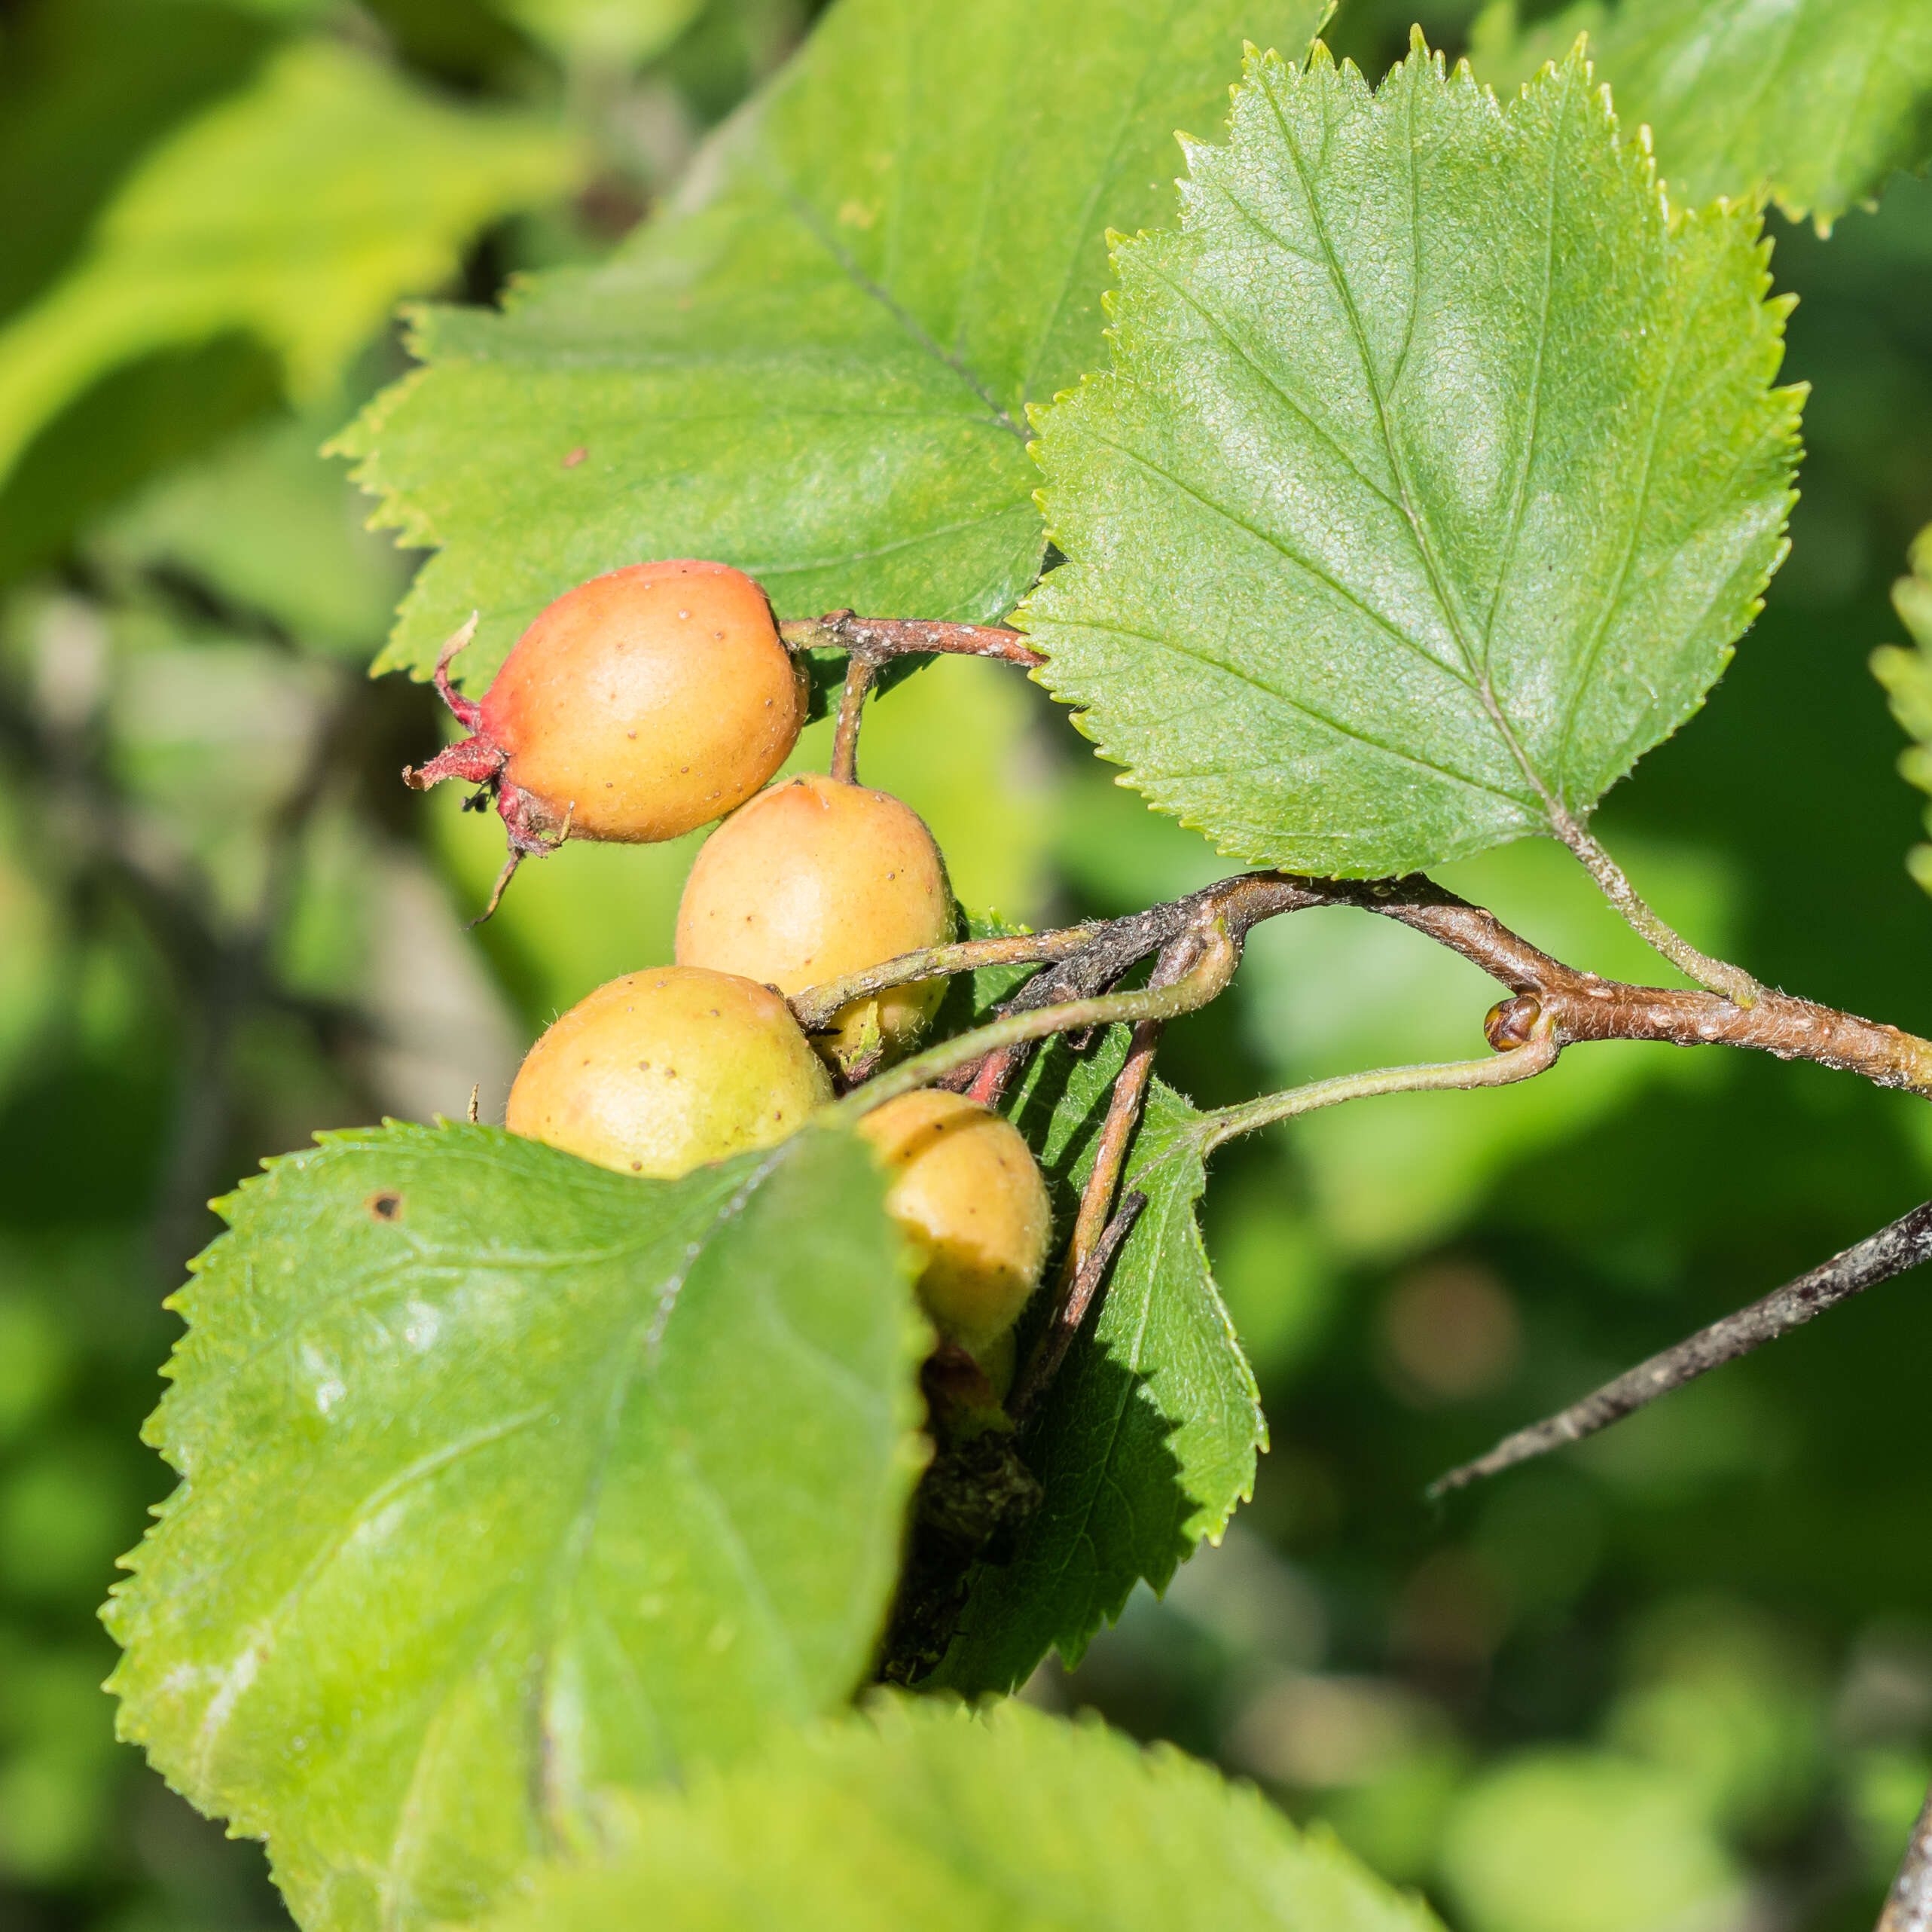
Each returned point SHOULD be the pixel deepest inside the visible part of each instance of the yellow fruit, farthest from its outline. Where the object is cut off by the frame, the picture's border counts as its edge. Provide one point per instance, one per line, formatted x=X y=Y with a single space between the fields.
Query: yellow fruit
x=659 y=1071
x=815 y=879
x=967 y=1192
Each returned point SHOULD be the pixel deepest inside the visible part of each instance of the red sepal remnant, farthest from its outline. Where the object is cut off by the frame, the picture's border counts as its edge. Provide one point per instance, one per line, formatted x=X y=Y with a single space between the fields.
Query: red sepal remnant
x=479 y=760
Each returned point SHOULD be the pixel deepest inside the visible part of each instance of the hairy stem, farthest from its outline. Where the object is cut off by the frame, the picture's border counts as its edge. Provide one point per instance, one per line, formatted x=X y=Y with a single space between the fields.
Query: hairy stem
x=1718 y=976
x=1903 y=1244
x=1537 y=1054
x=1219 y=955
x=813 y=1008
x=860 y=669
x=882 y=637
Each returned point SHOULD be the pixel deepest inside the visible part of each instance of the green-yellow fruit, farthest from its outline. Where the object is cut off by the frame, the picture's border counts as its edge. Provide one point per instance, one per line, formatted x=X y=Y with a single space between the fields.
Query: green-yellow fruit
x=967 y=1193
x=659 y=1071
x=815 y=879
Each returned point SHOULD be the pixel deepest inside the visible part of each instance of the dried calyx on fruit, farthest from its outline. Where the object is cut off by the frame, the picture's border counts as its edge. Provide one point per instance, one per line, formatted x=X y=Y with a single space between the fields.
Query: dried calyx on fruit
x=636 y=707
x=814 y=879
x=660 y=1072
x=967 y=1193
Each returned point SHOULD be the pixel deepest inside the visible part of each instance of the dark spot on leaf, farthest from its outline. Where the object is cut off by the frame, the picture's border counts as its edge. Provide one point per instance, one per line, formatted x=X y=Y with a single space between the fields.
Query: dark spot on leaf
x=575 y=456
x=384 y=1205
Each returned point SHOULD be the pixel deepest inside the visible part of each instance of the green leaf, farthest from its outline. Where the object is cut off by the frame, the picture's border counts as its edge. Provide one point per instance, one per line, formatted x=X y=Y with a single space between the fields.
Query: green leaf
x=504 y=1477
x=1814 y=101
x=925 y=1815
x=1148 y=1438
x=1437 y=471
x=1906 y=674
x=817 y=366
x=298 y=211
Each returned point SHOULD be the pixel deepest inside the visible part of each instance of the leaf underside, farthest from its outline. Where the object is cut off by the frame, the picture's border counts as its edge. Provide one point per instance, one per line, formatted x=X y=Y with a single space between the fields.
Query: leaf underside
x=922 y=1814
x=1816 y=101
x=505 y=1478
x=1146 y=1441
x=817 y=367
x=1437 y=471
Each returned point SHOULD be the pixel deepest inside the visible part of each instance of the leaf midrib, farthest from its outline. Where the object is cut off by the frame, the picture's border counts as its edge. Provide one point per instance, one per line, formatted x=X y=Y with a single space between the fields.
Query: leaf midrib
x=1457 y=618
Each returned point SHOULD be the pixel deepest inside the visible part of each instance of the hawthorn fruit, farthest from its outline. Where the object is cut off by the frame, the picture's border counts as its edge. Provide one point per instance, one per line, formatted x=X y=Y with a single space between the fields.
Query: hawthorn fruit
x=967 y=1193
x=660 y=1072
x=814 y=879
x=636 y=707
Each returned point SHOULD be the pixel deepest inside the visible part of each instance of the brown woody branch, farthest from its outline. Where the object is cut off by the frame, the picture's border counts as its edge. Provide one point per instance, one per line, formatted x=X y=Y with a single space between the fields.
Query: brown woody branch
x=1893 y=1249
x=1580 y=1007
x=879 y=638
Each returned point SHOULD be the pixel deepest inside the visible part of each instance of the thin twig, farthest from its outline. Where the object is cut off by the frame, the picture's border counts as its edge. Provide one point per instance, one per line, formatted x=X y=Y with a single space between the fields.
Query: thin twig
x=1096 y=1226
x=1902 y=1245
x=882 y=637
x=813 y=1008
x=1909 y=1904
x=1718 y=976
x=1220 y=954
x=1123 y=1116
x=1536 y=1055
x=860 y=669
x=1050 y=1351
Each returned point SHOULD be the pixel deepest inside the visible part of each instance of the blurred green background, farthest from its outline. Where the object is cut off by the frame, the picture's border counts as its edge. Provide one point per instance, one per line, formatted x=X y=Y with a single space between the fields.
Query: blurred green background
x=1680 y=1679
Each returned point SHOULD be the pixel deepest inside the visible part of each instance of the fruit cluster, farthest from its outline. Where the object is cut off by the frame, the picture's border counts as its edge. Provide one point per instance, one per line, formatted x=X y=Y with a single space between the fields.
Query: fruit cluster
x=639 y=706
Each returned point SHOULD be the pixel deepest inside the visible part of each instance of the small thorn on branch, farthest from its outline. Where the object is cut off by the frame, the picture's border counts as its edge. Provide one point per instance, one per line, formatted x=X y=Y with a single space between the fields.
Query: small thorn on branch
x=1892 y=1250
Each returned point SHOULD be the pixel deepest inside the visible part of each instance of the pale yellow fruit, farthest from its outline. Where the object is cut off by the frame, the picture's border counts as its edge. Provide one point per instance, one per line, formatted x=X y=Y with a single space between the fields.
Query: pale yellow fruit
x=815 y=879
x=967 y=1193
x=659 y=1071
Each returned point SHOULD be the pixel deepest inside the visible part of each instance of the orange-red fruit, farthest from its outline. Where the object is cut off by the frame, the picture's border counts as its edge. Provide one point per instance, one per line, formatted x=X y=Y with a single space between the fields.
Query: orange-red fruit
x=659 y=1071
x=967 y=1192
x=647 y=702
x=815 y=879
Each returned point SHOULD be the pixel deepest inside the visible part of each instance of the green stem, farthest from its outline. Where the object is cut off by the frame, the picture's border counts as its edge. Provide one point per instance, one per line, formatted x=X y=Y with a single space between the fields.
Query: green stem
x=1715 y=976
x=858 y=671
x=1523 y=1062
x=1202 y=981
x=813 y=1008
